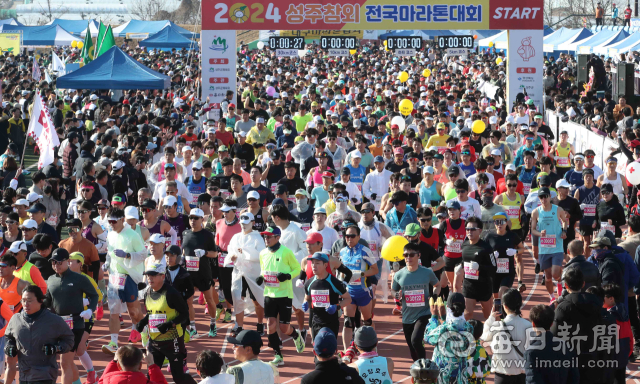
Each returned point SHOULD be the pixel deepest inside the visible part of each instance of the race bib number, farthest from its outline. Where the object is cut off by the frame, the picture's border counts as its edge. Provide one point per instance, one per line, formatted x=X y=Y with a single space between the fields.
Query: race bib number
x=222 y=257
x=292 y=199
x=155 y=320
x=608 y=227
x=359 y=187
x=373 y=247
x=68 y=320
x=414 y=298
x=53 y=220
x=526 y=188
x=224 y=193
x=399 y=233
x=513 y=212
x=305 y=227
x=590 y=210
x=547 y=242
x=356 y=278
x=563 y=162
x=273 y=188
x=192 y=263
x=470 y=273
x=455 y=247
x=503 y=265
x=194 y=198
x=270 y=279
x=320 y=298
x=117 y=280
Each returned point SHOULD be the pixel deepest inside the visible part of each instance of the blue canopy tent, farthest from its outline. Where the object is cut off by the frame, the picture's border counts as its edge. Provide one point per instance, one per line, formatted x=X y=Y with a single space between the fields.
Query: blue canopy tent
x=167 y=38
x=593 y=40
x=548 y=30
x=11 y=21
x=114 y=69
x=631 y=43
x=563 y=36
x=384 y=36
x=43 y=36
x=499 y=37
x=74 y=26
x=603 y=48
x=150 y=27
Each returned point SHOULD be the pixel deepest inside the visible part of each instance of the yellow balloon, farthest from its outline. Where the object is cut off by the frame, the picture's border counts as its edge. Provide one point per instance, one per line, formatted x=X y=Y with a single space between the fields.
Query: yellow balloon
x=478 y=126
x=499 y=60
x=392 y=248
x=426 y=72
x=385 y=43
x=80 y=44
x=74 y=43
x=490 y=44
x=406 y=107
x=403 y=77
x=353 y=51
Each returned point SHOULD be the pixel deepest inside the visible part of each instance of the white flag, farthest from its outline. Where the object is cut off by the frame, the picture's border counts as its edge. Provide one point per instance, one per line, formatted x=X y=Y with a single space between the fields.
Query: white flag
x=47 y=77
x=42 y=131
x=36 y=74
x=57 y=65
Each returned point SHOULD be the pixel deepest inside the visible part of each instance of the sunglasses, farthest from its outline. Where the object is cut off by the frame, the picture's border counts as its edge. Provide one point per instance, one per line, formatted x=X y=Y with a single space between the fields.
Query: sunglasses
x=112 y=221
x=350 y=236
x=215 y=189
x=605 y=193
x=3 y=265
x=543 y=196
x=590 y=157
x=512 y=185
x=252 y=200
x=194 y=217
x=11 y=222
x=82 y=212
x=54 y=262
x=412 y=254
x=102 y=208
x=366 y=211
x=471 y=229
x=426 y=219
x=147 y=210
x=332 y=139
x=267 y=236
x=499 y=222
x=459 y=191
x=87 y=189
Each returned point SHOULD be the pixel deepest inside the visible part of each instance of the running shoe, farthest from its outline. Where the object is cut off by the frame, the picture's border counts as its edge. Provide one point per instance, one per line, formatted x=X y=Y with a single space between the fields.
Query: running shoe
x=135 y=336
x=100 y=313
x=121 y=320
x=201 y=299
x=346 y=357
x=396 y=311
x=278 y=361
x=110 y=349
x=218 y=313
x=537 y=269
x=559 y=289
x=522 y=287
x=235 y=331
x=185 y=368
x=206 y=310
x=187 y=337
x=544 y=279
x=303 y=333
x=192 y=332
x=227 y=317
x=145 y=338
x=91 y=377
x=260 y=329
x=213 y=330
x=299 y=342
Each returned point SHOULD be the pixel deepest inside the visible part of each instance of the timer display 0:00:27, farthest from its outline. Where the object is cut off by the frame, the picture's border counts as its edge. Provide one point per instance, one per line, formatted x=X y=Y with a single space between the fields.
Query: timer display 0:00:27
x=286 y=42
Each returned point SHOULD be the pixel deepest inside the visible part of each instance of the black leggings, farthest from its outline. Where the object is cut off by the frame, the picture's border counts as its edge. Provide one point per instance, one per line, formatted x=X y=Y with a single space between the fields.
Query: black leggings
x=509 y=379
x=160 y=350
x=620 y=375
x=414 y=334
x=224 y=277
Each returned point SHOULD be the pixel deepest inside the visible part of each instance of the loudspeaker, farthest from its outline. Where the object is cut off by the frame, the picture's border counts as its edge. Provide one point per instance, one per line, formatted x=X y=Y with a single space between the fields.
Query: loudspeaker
x=583 y=73
x=623 y=80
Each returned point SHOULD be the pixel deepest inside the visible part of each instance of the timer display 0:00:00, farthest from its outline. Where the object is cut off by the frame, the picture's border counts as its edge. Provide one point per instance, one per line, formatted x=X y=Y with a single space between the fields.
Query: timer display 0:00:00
x=404 y=43
x=338 y=42
x=240 y=13
x=455 y=42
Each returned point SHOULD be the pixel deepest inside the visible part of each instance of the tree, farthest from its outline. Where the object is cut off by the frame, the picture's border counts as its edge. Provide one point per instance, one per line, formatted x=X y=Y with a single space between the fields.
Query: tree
x=146 y=9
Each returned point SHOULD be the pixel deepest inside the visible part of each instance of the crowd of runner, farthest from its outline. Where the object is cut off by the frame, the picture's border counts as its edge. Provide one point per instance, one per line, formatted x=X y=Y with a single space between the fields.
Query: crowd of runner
x=281 y=203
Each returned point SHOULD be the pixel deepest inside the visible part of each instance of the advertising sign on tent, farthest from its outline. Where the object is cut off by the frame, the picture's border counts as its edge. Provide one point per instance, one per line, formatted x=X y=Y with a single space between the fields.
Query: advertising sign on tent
x=218 y=65
x=70 y=67
x=10 y=42
x=524 y=73
x=315 y=34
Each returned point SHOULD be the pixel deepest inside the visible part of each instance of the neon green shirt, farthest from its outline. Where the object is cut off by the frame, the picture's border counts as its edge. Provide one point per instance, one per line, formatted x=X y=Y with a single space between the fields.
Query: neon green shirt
x=301 y=121
x=282 y=261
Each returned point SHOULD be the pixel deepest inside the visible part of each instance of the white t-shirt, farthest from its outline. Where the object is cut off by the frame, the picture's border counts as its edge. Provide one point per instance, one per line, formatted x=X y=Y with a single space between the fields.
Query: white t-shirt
x=469 y=208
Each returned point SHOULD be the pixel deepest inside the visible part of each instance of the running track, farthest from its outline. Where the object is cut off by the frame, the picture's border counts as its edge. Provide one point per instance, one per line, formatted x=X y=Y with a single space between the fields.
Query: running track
x=389 y=328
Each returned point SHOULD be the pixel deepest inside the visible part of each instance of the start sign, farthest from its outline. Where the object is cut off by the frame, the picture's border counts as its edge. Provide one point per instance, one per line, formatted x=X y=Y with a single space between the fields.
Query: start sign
x=370 y=14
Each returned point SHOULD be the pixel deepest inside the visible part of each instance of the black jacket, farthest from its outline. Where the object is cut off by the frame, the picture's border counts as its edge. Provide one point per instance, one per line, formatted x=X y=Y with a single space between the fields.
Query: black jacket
x=182 y=283
x=43 y=264
x=334 y=372
x=611 y=269
x=544 y=351
x=589 y=271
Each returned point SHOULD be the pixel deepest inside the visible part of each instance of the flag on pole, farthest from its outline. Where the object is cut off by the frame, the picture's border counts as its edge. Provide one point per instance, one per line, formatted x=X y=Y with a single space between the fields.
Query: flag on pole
x=101 y=31
x=41 y=130
x=36 y=74
x=47 y=78
x=57 y=65
x=107 y=42
x=87 y=48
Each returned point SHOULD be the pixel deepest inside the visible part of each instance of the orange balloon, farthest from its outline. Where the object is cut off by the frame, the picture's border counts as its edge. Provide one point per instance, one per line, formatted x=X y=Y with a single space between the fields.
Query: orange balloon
x=475 y=36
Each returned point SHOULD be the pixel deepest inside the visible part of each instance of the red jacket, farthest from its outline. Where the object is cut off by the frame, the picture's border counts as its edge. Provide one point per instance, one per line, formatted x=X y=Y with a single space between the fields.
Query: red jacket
x=113 y=375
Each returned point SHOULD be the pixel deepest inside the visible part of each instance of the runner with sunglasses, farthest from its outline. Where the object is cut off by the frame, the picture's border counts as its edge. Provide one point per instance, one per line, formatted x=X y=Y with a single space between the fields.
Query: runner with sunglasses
x=588 y=195
x=508 y=249
x=151 y=221
x=414 y=283
x=278 y=266
x=196 y=184
x=197 y=244
x=479 y=268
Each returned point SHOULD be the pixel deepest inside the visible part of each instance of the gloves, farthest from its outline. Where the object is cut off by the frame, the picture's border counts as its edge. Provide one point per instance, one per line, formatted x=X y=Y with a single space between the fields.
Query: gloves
x=449 y=241
x=373 y=196
x=300 y=284
x=11 y=350
x=85 y=302
x=496 y=254
x=309 y=189
x=105 y=267
x=511 y=252
x=164 y=327
x=583 y=206
x=283 y=276
x=50 y=349
x=259 y=280
x=199 y=252
x=142 y=285
x=332 y=309
x=120 y=253
x=355 y=201
x=305 y=306
x=86 y=314
x=475 y=265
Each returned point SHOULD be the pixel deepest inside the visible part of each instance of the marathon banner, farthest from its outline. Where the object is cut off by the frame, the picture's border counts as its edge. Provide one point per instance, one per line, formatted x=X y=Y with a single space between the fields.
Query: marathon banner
x=371 y=15
x=317 y=33
x=10 y=42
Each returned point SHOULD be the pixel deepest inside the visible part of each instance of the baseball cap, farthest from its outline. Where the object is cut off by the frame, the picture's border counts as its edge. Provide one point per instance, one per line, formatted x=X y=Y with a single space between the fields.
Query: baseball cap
x=600 y=241
x=377 y=159
x=196 y=212
x=562 y=183
x=77 y=256
x=131 y=213
x=60 y=254
x=24 y=202
x=174 y=249
x=148 y=203
x=510 y=167
x=38 y=207
x=429 y=169
x=452 y=204
x=271 y=231
x=320 y=210
x=29 y=224
x=325 y=342
x=155 y=269
x=169 y=201
x=455 y=298
x=156 y=238
x=253 y=195
x=412 y=229
x=197 y=165
x=365 y=337
x=246 y=338
x=544 y=192
x=356 y=154
x=32 y=197
x=314 y=237
x=302 y=192
x=398 y=151
x=247 y=217
x=227 y=208
x=320 y=256
x=500 y=215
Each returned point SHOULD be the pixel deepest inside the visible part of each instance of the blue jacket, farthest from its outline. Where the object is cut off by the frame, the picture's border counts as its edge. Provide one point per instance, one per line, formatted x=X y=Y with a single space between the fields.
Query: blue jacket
x=543 y=350
x=409 y=216
x=631 y=274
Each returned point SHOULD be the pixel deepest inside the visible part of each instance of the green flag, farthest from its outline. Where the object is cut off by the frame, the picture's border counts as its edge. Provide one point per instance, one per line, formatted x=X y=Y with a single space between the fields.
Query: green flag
x=87 y=48
x=101 y=31
x=107 y=41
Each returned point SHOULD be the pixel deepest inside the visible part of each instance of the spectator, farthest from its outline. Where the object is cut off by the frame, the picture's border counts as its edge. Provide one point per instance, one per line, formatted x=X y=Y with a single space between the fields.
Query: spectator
x=209 y=366
x=577 y=261
x=328 y=367
x=126 y=368
x=252 y=370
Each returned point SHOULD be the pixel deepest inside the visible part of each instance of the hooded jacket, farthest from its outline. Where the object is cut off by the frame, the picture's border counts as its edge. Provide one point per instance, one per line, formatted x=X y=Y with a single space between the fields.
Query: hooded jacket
x=589 y=271
x=113 y=375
